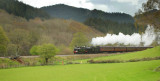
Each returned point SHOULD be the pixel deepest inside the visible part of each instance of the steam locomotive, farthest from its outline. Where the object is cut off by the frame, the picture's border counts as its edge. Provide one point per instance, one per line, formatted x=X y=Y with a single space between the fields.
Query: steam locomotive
x=101 y=49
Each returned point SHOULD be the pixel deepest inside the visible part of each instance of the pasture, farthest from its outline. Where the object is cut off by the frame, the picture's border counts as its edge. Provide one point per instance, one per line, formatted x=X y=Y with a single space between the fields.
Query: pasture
x=128 y=71
x=132 y=71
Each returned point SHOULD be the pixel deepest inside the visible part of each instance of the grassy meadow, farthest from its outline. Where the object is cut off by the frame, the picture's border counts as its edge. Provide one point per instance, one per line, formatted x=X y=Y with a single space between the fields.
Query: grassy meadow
x=128 y=71
x=132 y=71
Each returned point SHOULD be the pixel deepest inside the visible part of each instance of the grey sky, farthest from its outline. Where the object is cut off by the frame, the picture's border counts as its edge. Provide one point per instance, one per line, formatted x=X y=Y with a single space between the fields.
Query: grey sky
x=126 y=6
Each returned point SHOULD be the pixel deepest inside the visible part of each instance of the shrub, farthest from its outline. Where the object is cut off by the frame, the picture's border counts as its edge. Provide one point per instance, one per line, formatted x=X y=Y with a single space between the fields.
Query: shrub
x=90 y=61
x=105 y=61
x=73 y=63
x=157 y=69
x=7 y=63
x=144 y=59
x=69 y=62
x=134 y=60
x=34 y=51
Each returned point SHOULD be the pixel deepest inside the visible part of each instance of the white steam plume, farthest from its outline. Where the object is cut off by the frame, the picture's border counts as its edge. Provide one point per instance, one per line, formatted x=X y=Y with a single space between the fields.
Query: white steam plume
x=135 y=39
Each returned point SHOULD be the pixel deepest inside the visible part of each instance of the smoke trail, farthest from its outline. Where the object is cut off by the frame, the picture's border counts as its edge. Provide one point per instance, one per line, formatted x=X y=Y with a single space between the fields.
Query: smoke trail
x=135 y=39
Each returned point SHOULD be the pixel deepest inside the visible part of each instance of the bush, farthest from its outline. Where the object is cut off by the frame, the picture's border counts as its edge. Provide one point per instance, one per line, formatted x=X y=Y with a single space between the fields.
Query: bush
x=134 y=60
x=34 y=51
x=69 y=62
x=157 y=69
x=90 y=61
x=73 y=63
x=104 y=61
x=7 y=63
x=144 y=59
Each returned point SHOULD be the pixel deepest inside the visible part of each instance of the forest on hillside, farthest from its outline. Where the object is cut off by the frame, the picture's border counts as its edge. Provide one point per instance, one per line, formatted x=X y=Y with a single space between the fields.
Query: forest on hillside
x=107 y=22
x=23 y=34
x=102 y=21
x=107 y=26
x=23 y=10
x=81 y=14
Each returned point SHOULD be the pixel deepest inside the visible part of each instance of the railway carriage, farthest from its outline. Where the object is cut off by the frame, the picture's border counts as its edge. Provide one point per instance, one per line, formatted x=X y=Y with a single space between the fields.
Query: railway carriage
x=109 y=49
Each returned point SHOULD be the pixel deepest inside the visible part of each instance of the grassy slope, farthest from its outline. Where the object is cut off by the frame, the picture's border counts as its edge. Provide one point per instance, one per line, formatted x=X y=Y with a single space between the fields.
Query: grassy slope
x=153 y=52
x=133 y=71
x=136 y=55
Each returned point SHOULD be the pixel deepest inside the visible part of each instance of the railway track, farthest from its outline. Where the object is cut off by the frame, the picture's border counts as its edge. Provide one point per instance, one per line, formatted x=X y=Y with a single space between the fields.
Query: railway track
x=103 y=54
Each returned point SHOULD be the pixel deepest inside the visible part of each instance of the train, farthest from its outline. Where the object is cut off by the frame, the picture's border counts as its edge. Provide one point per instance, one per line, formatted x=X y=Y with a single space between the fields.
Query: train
x=109 y=49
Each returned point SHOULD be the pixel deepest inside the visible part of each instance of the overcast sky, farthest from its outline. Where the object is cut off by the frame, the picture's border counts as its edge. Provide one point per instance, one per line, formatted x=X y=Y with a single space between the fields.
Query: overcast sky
x=126 y=6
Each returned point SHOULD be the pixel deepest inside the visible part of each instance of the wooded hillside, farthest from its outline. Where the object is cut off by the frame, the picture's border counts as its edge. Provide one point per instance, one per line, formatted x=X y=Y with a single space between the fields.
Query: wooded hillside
x=102 y=21
x=81 y=14
x=107 y=26
x=24 y=34
x=23 y=10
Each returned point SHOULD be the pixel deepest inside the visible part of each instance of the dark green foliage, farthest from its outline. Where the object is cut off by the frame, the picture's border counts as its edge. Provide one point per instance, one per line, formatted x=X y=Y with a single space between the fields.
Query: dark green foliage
x=107 y=26
x=104 y=61
x=20 y=9
x=80 y=14
x=102 y=21
x=3 y=42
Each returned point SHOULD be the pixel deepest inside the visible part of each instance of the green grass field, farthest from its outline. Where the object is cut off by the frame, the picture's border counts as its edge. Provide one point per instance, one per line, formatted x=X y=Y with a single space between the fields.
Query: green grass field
x=129 y=71
x=132 y=71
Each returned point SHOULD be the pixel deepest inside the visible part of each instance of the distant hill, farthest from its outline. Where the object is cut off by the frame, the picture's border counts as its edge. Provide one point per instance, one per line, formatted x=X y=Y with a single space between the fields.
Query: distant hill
x=80 y=14
x=20 y=9
x=108 y=23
